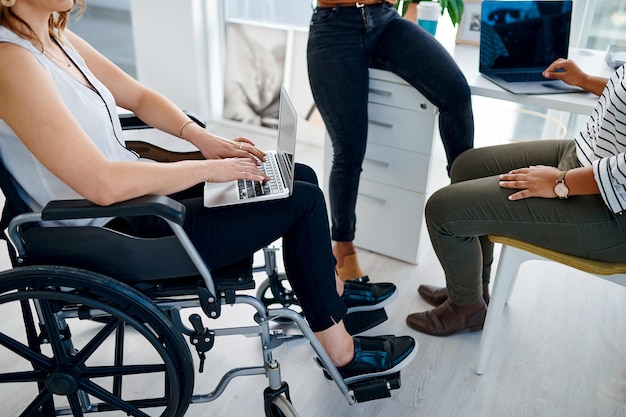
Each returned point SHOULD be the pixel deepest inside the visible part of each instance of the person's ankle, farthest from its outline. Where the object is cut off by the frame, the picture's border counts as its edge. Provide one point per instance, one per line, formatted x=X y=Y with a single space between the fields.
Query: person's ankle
x=347 y=261
x=342 y=355
x=338 y=343
x=341 y=250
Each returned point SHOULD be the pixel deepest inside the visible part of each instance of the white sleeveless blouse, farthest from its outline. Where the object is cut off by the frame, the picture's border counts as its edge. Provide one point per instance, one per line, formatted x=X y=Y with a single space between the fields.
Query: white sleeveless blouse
x=96 y=113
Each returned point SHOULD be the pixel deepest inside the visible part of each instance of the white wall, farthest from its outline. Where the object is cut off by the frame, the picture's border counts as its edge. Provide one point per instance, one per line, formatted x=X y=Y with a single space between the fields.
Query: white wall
x=110 y=4
x=172 y=50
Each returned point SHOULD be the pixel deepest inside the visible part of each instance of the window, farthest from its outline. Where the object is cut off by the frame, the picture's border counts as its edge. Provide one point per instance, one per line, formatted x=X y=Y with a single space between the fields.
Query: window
x=604 y=25
x=106 y=25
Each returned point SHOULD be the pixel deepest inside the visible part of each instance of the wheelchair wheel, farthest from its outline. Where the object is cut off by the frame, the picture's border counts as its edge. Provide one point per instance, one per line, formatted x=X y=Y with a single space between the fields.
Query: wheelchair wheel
x=282 y=407
x=276 y=292
x=87 y=344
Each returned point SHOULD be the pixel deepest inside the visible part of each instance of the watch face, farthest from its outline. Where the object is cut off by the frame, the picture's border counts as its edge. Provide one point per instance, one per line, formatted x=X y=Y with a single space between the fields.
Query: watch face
x=561 y=190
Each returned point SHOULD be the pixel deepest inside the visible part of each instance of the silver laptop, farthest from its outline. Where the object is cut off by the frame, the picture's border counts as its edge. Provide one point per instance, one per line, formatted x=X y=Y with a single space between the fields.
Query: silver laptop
x=279 y=166
x=519 y=39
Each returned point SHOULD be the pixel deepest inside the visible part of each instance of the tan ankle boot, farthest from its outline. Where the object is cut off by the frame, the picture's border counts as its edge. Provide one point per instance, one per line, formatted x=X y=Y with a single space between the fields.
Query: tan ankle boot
x=350 y=268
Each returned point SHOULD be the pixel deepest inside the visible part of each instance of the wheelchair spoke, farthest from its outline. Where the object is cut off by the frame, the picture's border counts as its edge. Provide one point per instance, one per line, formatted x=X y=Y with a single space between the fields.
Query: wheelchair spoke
x=24 y=351
x=110 y=399
x=96 y=342
x=75 y=406
x=108 y=371
x=39 y=401
x=53 y=331
x=27 y=376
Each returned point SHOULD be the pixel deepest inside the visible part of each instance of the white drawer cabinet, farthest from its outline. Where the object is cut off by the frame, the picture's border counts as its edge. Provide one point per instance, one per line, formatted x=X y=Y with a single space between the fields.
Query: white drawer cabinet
x=390 y=203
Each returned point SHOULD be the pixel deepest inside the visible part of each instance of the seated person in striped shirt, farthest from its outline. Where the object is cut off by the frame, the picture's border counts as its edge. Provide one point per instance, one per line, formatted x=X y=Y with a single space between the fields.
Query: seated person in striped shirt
x=565 y=195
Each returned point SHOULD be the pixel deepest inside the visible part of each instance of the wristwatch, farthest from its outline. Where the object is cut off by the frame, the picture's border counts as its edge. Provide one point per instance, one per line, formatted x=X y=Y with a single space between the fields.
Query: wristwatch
x=560 y=189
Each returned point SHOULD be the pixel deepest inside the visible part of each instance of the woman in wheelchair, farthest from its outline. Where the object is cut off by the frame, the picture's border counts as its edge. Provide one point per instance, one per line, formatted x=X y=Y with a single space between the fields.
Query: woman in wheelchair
x=60 y=138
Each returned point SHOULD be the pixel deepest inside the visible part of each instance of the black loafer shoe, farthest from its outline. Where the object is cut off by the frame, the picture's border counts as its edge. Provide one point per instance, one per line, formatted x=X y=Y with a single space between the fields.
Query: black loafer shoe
x=362 y=321
x=361 y=295
x=378 y=356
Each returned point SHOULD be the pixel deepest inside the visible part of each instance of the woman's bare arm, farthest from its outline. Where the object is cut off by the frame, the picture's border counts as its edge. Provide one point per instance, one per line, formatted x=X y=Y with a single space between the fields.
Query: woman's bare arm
x=32 y=107
x=156 y=110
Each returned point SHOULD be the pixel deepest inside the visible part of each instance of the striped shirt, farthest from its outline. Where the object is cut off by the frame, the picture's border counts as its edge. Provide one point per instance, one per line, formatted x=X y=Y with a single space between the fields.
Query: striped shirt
x=602 y=144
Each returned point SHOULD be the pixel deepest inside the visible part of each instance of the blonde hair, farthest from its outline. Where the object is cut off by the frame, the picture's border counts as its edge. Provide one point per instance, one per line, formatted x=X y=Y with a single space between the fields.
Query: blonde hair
x=56 y=24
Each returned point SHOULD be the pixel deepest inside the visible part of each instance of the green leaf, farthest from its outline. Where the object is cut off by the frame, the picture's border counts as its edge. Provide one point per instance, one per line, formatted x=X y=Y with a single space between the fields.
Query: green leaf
x=454 y=8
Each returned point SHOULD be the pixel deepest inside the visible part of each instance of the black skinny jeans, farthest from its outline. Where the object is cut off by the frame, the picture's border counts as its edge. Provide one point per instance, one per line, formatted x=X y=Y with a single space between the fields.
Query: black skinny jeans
x=344 y=42
x=460 y=216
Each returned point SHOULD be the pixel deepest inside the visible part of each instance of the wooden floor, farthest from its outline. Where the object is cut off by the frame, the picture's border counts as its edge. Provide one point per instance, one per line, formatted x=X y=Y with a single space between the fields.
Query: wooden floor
x=560 y=351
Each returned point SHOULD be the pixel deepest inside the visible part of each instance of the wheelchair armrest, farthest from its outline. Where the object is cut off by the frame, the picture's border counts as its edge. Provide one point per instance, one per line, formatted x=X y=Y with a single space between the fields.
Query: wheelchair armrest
x=161 y=206
x=130 y=121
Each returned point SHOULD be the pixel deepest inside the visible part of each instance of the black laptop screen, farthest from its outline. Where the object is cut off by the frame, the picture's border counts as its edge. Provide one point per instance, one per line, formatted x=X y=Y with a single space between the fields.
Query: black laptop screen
x=523 y=34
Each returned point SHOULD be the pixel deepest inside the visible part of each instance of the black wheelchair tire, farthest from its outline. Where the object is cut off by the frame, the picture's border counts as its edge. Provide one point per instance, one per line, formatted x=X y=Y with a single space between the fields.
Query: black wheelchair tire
x=63 y=294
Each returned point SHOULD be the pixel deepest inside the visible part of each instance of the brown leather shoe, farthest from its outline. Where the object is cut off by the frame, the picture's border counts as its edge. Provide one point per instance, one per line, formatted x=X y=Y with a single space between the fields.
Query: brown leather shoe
x=435 y=296
x=449 y=318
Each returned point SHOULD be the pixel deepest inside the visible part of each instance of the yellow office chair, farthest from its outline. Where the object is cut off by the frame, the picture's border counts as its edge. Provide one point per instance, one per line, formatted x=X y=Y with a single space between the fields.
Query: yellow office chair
x=514 y=253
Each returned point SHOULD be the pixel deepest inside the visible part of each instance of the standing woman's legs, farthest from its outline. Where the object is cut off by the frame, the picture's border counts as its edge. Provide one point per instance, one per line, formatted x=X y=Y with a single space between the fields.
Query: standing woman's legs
x=413 y=54
x=339 y=78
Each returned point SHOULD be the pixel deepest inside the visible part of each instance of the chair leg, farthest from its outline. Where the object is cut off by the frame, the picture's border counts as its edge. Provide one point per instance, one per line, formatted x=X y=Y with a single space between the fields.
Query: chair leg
x=508 y=266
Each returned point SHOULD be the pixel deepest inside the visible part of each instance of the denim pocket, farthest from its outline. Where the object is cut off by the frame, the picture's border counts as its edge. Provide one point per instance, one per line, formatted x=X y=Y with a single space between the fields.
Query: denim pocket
x=322 y=14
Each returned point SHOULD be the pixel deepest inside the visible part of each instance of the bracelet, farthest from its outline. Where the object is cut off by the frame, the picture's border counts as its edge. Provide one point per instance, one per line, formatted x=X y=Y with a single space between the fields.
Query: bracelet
x=180 y=132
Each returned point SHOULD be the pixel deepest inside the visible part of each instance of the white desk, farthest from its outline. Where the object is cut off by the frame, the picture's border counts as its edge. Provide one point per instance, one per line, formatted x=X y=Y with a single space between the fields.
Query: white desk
x=589 y=61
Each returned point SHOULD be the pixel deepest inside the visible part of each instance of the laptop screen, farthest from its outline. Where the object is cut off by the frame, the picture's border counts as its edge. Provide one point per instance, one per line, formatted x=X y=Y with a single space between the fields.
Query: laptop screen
x=523 y=34
x=287 y=129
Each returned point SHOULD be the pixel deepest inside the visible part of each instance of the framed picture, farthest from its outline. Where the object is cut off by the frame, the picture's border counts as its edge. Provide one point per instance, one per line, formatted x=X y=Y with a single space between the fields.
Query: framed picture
x=255 y=70
x=469 y=27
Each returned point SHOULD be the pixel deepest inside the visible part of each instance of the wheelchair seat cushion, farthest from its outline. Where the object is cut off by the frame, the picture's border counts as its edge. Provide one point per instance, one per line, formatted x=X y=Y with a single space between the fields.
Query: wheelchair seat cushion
x=126 y=258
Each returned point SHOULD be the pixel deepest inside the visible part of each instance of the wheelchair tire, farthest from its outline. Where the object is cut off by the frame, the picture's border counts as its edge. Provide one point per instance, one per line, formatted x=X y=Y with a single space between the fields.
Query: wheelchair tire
x=118 y=336
x=278 y=294
x=282 y=407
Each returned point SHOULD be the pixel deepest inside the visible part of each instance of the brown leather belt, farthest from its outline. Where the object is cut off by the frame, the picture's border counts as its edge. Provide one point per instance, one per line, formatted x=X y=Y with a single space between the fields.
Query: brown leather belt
x=357 y=4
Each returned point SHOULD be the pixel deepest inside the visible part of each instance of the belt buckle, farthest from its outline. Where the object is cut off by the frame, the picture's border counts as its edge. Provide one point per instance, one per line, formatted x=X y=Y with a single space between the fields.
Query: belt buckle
x=359 y=5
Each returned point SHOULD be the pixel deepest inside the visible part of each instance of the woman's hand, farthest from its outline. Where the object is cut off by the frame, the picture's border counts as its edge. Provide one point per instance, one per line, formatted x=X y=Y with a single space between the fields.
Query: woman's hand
x=566 y=70
x=229 y=169
x=534 y=181
x=215 y=147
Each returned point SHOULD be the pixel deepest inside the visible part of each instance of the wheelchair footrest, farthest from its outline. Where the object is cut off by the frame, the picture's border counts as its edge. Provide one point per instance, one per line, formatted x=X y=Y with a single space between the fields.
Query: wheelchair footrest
x=369 y=389
x=375 y=388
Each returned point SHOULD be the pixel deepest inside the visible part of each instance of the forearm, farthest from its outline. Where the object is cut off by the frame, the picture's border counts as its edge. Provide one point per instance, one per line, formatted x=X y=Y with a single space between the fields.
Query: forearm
x=120 y=181
x=161 y=113
x=594 y=84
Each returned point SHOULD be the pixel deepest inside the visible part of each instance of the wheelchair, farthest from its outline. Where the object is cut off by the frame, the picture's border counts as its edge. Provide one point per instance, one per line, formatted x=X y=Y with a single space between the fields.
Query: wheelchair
x=88 y=297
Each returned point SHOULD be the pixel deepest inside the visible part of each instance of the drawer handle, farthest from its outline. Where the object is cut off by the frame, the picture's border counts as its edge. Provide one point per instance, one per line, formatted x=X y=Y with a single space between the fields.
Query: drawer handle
x=380 y=92
x=381 y=124
x=378 y=162
x=377 y=200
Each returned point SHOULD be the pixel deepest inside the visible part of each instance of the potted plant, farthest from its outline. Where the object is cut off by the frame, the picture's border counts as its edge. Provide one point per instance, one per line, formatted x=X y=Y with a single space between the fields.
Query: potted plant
x=408 y=8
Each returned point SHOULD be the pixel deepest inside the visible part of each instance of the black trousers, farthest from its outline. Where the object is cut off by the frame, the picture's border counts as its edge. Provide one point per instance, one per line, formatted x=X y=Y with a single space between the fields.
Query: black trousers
x=226 y=235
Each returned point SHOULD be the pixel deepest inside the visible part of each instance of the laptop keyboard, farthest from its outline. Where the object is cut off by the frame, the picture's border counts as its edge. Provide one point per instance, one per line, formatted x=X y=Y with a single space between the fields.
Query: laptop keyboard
x=522 y=77
x=249 y=188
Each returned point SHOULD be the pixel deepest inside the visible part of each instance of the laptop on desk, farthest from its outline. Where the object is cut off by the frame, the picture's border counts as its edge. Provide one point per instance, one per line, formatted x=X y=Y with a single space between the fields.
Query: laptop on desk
x=519 y=39
x=279 y=165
